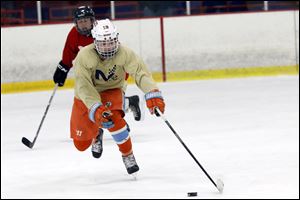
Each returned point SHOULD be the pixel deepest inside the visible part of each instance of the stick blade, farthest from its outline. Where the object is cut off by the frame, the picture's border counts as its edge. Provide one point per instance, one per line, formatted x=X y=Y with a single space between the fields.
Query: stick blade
x=27 y=143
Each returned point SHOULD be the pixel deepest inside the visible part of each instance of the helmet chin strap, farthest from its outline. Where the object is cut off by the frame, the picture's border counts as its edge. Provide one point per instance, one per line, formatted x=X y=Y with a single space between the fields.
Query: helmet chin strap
x=83 y=32
x=106 y=55
x=103 y=56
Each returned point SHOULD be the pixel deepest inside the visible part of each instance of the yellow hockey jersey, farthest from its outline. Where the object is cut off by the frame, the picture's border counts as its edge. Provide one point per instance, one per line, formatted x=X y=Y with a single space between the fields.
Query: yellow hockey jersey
x=93 y=75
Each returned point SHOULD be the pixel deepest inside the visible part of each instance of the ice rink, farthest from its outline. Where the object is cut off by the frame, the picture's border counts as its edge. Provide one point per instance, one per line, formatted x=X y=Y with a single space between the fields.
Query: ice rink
x=244 y=131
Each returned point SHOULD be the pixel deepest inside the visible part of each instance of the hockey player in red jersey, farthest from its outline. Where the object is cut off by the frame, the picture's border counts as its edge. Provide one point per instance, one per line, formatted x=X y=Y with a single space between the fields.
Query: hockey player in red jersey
x=78 y=37
x=100 y=70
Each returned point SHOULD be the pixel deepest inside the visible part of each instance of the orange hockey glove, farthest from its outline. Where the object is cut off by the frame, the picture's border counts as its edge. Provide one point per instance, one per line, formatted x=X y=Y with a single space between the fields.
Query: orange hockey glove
x=154 y=99
x=100 y=114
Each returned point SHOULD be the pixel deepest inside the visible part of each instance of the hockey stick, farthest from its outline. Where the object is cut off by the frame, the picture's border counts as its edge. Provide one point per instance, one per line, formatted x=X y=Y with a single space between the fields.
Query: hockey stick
x=219 y=185
x=25 y=141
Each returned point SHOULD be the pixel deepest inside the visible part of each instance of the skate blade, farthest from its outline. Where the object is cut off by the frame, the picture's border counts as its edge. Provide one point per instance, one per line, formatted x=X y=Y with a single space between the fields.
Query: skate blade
x=134 y=176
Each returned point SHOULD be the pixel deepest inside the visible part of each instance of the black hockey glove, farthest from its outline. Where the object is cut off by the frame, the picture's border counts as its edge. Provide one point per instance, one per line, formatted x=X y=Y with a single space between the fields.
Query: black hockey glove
x=60 y=74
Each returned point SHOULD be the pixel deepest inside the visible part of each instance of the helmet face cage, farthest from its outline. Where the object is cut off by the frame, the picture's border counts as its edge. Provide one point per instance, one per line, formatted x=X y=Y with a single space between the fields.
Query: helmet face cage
x=84 y=12
x=105 y=38
x=107 y=48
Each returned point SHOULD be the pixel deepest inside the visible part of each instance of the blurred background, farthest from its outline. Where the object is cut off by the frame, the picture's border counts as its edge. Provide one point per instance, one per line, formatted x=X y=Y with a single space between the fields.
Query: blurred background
x=37 y=12
x=178 y=40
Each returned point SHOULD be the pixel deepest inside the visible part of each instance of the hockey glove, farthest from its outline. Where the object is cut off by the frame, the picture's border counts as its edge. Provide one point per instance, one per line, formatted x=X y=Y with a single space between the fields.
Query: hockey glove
x=101 y=116
x=60 y=74
x=154 y=99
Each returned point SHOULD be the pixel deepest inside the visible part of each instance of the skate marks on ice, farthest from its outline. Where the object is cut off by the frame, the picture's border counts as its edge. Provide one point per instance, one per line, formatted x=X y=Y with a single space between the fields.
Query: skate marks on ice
x=245 y=131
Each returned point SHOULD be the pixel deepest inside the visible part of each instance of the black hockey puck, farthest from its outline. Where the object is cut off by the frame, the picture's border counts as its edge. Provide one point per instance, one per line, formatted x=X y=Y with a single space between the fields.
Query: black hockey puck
x=192 y=194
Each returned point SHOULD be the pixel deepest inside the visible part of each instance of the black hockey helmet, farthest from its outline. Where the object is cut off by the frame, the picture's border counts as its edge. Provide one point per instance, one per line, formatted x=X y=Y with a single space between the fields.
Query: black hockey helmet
x=84 y=12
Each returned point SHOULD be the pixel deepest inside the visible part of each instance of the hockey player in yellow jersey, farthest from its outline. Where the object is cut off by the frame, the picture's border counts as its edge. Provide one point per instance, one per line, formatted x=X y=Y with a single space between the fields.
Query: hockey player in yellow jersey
x=100 y=70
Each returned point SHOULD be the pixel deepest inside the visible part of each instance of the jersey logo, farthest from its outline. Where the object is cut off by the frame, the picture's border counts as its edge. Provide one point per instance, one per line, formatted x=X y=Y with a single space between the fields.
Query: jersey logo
x=111 y=74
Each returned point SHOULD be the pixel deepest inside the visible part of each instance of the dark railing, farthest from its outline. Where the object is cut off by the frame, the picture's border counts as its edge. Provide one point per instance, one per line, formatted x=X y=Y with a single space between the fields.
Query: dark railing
x=52 y=12
x=12 y=16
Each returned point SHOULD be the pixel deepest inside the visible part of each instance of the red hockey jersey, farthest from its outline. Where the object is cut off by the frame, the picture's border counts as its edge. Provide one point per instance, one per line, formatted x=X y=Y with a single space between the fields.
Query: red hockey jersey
x=75 y=41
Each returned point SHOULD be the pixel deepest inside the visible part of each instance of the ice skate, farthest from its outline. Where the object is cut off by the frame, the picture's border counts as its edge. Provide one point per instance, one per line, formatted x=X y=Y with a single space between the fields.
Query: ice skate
x=130 y=164
x=97 y=147
x=136 y=105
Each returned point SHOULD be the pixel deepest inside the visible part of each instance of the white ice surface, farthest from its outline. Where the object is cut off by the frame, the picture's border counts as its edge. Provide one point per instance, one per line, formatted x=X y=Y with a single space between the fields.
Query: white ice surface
x=244 y=131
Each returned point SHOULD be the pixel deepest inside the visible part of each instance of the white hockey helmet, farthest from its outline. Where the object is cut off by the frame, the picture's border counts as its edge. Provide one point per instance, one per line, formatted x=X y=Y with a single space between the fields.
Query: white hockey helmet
x=105 y=38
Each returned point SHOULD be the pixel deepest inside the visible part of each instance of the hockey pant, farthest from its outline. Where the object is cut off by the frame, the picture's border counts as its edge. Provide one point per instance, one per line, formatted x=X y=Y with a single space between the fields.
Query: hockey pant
x=83 y=130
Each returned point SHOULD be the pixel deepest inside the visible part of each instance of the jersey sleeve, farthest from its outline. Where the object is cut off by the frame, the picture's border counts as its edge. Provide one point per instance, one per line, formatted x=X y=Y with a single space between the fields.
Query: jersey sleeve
x=70 y=51
x=138 y=70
